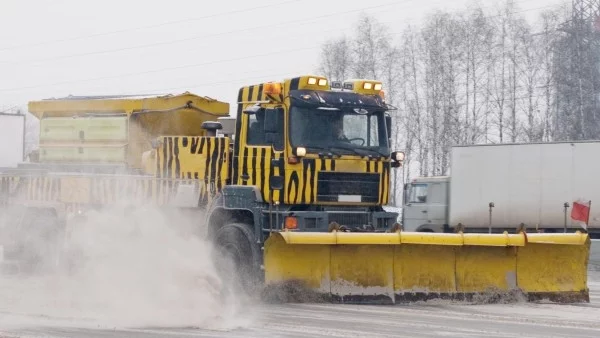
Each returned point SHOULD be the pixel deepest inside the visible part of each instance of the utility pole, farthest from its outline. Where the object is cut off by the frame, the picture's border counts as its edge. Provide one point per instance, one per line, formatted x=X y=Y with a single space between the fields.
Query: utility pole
x=579 y=67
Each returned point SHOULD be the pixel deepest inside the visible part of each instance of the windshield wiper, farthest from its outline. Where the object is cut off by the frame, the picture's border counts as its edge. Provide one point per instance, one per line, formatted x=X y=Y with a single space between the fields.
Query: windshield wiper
x=327 y=149
x=375 y=151
x=356 y=150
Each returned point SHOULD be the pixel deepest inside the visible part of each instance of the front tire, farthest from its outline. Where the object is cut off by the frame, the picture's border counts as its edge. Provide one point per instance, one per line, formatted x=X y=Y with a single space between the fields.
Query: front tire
x=237 y=258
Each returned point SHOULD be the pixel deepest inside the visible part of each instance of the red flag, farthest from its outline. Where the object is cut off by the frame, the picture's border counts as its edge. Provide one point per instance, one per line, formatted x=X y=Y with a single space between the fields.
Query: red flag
x=581 y=211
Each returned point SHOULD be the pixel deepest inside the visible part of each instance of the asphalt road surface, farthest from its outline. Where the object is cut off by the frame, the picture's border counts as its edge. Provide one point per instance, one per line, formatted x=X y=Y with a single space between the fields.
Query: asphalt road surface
x=36 y=318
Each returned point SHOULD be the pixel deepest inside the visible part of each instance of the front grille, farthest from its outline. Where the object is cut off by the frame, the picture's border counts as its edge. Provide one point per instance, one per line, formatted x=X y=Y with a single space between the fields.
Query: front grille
x=333 y=184
x=350 y=219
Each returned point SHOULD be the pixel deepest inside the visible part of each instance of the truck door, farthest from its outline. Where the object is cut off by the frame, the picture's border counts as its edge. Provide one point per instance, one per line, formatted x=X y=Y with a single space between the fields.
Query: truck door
x=437 y=205
x=263 y=141
x=416 y=206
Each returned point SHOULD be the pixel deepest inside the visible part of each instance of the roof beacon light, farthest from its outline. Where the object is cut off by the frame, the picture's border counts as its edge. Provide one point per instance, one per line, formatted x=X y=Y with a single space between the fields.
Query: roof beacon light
x=272 y=88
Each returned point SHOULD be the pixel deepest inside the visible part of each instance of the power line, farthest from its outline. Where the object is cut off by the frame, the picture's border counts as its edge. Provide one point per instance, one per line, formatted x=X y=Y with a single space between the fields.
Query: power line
x=160 y=70
x=170 y=42
x=168 y=23
x=214 y=62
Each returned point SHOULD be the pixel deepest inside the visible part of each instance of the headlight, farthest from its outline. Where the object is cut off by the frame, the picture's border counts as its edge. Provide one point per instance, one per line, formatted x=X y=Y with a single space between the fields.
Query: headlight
x=300 y=151
x=399 y=156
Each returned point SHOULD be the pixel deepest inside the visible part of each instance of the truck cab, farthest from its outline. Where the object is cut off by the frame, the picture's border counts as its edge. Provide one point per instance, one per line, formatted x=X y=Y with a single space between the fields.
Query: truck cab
x=315 y=153
x=426 y=204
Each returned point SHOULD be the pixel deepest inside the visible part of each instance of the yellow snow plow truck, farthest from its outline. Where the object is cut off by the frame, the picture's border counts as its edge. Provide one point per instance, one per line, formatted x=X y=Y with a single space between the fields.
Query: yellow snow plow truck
x=292 y=191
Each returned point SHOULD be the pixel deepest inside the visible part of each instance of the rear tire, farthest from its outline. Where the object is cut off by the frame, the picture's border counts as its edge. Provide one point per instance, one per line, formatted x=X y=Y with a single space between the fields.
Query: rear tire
x=237 y=259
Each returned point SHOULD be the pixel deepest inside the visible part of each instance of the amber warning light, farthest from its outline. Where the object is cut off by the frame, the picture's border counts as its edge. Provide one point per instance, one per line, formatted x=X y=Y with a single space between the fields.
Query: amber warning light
x=272 y=88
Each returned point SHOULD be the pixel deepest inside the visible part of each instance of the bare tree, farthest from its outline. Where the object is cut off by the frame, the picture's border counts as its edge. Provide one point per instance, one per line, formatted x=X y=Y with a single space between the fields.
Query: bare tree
x=336 y=59
x=473 y=77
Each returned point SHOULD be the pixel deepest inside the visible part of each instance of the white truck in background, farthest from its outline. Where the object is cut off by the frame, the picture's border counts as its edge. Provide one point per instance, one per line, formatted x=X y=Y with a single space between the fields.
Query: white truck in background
x=527 y=183
x=12 y=140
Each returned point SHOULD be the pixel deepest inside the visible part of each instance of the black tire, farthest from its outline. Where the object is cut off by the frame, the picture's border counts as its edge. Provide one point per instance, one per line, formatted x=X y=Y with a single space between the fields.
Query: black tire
x=41 y=237
x=237 y=258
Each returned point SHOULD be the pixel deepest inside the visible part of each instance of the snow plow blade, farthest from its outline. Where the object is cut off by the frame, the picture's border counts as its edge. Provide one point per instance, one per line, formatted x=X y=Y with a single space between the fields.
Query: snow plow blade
x=398 y=267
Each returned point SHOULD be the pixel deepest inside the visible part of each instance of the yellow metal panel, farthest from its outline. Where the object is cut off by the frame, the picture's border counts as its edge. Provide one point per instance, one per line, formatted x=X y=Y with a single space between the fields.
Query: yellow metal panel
x=368 y=238
x=100 y=105
x=431 y=238
x=486 y=269
x=60 y=129
x=106 y=129
x=552 y=267
x=358 y=265
x=112 y=154
x=358 y=270
x=68 y=129
x=424 y=268
x=291 y=237
x=75 y=190
x=505 y=239
x=307 y=263
x=577 y=238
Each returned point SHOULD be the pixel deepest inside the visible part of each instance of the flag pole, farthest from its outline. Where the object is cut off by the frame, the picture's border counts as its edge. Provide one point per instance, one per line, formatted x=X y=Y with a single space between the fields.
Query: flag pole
x=587 y=221
x=566 y=205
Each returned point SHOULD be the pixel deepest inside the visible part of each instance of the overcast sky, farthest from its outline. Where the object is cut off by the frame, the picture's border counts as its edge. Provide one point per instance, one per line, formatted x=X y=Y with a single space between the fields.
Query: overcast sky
x=56 y=48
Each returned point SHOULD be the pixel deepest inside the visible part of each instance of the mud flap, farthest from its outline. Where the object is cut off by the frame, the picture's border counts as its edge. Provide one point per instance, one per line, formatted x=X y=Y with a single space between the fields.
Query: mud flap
x=396 y=267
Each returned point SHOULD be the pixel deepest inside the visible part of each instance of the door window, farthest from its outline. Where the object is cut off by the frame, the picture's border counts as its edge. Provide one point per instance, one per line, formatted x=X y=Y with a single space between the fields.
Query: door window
x=256 y=135
x=418 y=193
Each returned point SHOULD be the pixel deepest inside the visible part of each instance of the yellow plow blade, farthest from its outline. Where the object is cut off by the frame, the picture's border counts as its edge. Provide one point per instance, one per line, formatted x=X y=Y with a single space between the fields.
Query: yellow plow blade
x=402 y=266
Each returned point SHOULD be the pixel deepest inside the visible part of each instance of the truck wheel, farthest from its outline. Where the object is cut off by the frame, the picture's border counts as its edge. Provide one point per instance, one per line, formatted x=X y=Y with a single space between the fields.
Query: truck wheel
x=41 y=237
x=237 y=258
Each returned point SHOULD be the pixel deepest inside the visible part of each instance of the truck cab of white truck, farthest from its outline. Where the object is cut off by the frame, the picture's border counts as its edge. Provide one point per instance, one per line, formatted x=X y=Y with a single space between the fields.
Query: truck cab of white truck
x=426 y=206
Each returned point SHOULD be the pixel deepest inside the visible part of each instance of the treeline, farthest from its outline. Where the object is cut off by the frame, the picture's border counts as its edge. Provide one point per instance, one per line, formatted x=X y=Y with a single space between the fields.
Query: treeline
x=477 y=76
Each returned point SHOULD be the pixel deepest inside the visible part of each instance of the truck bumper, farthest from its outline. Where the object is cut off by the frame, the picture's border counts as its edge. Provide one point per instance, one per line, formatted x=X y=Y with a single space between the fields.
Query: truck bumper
x=320 y=221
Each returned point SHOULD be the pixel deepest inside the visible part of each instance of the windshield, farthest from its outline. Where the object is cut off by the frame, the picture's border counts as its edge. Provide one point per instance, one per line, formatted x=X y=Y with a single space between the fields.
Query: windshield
x=328 y=128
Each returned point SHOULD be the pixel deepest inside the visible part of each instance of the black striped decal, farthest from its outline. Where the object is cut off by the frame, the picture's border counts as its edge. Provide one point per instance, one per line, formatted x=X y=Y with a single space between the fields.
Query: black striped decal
x=302 y=178
x=92 y=190
x=194 y=158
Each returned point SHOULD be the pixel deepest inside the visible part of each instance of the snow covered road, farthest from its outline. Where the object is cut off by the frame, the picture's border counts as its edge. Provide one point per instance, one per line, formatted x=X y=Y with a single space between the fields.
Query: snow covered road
x=72 y=308
x=432 y=319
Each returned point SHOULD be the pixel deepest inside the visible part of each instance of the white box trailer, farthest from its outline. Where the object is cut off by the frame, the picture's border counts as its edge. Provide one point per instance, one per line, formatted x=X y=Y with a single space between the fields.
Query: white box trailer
x=12 y=140
x=528 y=183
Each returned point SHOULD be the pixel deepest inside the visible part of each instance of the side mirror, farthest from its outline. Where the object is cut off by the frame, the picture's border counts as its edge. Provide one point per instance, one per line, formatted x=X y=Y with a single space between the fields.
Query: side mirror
x=276 y=182
x=397 y=159
x=388 y=125
x=272 y=116
x=252 y=109
x=273 y=127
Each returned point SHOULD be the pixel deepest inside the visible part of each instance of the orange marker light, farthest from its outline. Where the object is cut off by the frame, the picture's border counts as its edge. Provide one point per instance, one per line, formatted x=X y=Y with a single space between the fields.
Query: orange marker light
x=272 y=88
x=291 y=222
